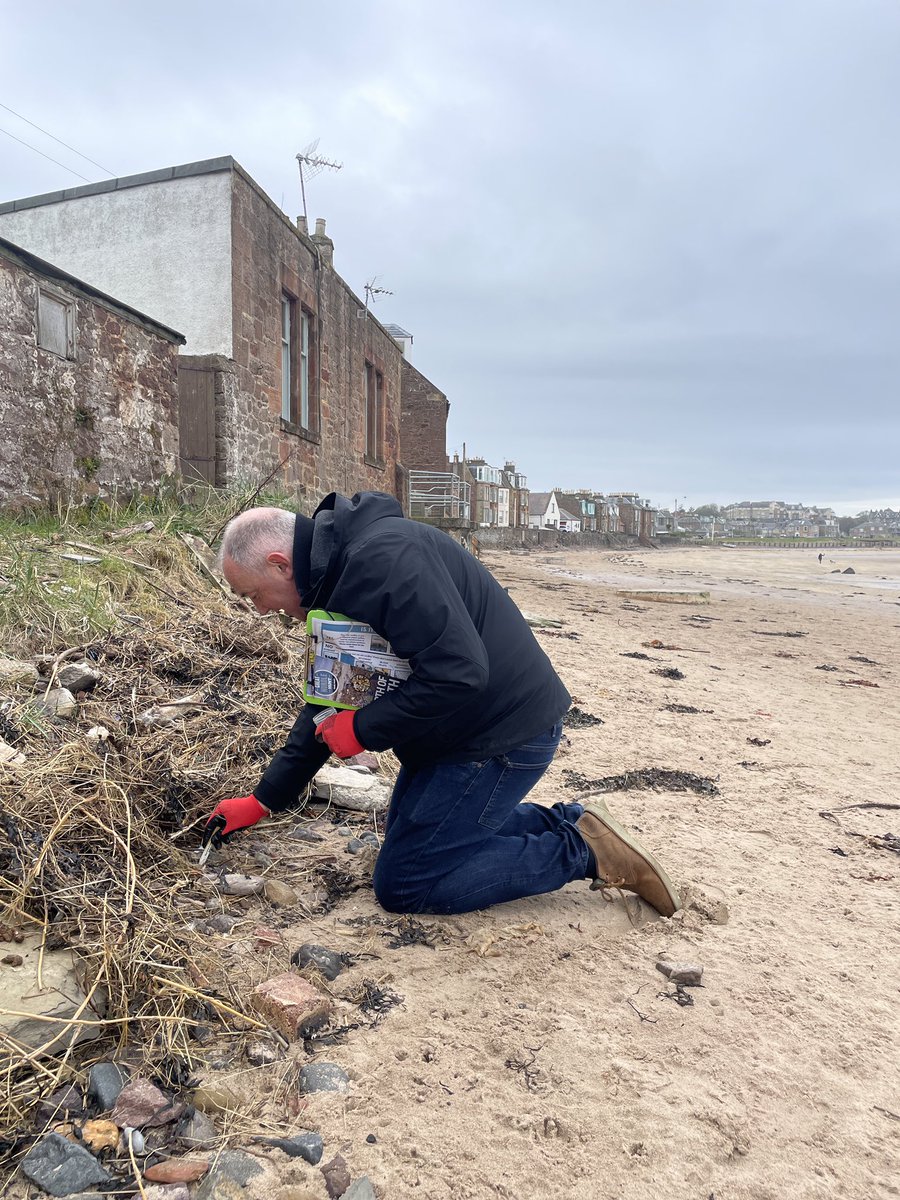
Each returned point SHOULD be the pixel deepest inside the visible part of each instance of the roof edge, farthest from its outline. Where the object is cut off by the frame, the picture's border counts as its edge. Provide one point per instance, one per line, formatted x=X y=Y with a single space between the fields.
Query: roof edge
x=25 y=258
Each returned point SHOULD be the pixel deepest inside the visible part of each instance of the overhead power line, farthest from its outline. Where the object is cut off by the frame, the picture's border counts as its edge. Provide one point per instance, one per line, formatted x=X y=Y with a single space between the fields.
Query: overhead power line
x=47 y=156
x=56 y=139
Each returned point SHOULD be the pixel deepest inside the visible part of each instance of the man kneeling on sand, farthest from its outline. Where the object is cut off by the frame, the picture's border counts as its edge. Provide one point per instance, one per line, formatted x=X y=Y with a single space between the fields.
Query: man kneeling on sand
x=475 y=725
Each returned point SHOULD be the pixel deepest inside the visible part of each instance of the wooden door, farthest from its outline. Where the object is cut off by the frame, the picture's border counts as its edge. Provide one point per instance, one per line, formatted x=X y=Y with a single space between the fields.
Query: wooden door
x=197 y=422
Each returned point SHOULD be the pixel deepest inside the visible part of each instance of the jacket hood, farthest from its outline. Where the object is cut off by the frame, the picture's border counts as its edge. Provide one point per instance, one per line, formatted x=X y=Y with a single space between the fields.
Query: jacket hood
x=336 y=521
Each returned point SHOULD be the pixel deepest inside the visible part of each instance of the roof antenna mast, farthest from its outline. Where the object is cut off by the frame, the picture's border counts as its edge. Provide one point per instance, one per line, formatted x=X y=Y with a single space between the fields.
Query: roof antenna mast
x=314 y=163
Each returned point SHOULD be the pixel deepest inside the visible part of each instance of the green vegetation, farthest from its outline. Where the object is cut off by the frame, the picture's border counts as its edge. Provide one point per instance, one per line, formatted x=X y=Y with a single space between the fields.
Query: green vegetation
x=53 y=601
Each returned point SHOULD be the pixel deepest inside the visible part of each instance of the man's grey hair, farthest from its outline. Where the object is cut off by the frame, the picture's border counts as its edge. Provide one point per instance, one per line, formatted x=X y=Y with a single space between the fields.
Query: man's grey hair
x=253 y=534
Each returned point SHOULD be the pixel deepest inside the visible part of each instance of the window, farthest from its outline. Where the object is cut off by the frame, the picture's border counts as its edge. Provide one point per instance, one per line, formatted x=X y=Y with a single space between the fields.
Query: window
x=56 y=324
x=374 y=412
x=298 y=390
x=287 y=372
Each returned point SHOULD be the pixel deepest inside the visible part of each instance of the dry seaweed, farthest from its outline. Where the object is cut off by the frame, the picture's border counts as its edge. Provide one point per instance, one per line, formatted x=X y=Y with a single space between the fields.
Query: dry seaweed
x=642 y=779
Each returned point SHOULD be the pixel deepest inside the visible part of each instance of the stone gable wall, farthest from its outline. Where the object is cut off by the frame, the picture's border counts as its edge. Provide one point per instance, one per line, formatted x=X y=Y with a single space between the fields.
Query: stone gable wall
x=423 y=422
x=269 y=257
x=102 y=421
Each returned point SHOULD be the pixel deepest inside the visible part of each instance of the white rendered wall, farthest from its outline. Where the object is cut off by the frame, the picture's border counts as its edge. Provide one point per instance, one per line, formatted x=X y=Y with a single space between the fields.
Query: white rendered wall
x=164 y=248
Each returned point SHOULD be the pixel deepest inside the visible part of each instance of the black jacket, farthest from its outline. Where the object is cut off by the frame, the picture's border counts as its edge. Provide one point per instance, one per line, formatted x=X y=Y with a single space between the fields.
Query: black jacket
x=480 y=683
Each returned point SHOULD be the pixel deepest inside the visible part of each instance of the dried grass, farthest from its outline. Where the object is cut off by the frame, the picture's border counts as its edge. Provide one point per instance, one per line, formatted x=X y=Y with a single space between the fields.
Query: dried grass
x=96 y=842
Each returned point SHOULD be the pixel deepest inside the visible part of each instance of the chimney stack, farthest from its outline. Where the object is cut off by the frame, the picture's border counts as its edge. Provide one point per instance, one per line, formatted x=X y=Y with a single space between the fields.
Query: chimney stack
x=302 y=225
x=324 y=242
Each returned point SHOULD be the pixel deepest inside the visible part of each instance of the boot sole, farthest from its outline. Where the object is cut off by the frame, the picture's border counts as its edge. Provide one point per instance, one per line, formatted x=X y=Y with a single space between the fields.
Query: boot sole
x=599 y=810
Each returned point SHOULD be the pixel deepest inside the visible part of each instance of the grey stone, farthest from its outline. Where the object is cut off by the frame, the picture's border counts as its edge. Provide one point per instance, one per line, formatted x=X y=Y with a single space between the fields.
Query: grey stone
x=241 y=885
x=262 y=1053
x=199 y=1131
x=61 y=1167
x=60 y=996
x=105 y=1081
x=59 y=702
x=63 y=1101
x=320 y=957
x=164 y=1191
x=688 y=974
x=79 y=677
x=221 y=923
x=233 y=1168
x=302 y=833
x=360 y=1189
x=323 y=1077
x=307 y=1146
x=357 y=791
x=355 y=845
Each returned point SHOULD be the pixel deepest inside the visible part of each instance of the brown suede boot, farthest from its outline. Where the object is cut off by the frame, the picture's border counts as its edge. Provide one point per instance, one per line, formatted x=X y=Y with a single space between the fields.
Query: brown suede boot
x=622 y=862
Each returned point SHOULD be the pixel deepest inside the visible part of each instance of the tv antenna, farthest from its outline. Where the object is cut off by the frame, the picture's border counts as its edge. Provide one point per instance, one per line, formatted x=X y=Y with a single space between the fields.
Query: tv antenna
x=314 y=163
x=373 y=292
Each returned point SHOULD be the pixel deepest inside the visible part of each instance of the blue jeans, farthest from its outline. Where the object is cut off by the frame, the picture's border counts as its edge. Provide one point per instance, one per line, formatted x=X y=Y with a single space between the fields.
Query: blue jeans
x=458 y=837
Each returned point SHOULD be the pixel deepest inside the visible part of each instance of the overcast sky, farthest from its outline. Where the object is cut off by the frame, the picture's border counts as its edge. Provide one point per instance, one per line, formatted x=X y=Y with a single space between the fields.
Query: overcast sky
x=650 y=245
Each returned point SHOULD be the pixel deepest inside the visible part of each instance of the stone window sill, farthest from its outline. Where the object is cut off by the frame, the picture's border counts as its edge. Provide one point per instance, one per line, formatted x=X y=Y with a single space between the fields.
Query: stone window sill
x=309 y=435
x=370 y=461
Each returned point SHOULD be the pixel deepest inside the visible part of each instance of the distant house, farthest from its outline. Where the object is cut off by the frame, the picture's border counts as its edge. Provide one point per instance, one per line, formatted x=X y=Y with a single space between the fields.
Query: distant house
x=88 y=387
x=284 y=370
x=544 y=511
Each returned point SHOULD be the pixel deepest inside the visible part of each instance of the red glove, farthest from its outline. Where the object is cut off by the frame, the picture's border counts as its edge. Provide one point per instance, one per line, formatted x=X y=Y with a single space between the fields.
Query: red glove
x=337 y=734
x=231 y=815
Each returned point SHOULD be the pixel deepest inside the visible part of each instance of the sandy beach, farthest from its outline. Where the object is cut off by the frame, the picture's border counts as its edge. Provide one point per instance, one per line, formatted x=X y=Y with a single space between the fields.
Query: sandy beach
x=537 y=1052
x=534 y=1051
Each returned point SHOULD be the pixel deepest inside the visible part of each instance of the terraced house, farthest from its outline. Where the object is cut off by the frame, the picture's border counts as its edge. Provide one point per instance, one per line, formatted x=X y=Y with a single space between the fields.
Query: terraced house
x=283 y=370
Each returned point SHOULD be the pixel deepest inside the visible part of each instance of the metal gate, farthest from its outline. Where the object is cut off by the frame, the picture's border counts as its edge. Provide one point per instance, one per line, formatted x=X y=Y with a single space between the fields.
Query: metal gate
x=197 y=422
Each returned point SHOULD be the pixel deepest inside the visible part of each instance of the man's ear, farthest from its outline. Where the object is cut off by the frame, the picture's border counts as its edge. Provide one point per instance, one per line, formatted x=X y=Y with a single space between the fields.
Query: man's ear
x=281 y=562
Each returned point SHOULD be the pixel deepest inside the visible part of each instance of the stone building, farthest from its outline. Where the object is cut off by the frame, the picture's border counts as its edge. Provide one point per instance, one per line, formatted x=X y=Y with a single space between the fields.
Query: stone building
x=284 y=371
x=88 y=387
x=423 y=420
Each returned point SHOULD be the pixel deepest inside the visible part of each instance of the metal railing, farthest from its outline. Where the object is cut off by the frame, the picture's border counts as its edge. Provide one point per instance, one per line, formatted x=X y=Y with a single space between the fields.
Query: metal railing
x=438 y=496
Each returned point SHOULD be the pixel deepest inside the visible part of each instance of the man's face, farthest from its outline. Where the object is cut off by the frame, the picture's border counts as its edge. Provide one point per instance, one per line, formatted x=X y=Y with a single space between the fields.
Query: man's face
x=270 y=589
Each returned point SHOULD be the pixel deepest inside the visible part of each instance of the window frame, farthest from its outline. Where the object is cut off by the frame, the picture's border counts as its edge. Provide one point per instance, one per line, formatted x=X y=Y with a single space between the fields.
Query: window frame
x=373 y=380
x=67 y=304
x=299 y=383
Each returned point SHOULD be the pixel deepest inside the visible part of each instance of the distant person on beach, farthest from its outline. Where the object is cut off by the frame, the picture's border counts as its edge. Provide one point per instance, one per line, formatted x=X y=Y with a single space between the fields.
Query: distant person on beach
x=475 y=726
x=821 y=556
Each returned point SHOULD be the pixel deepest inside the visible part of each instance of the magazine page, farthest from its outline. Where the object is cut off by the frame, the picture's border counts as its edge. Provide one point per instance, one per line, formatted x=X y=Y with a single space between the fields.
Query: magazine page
x=348 y=663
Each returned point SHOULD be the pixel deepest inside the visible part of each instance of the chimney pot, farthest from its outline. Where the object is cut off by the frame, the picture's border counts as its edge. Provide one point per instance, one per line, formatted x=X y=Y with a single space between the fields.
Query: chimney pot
x=320 y=227
x=303 y=225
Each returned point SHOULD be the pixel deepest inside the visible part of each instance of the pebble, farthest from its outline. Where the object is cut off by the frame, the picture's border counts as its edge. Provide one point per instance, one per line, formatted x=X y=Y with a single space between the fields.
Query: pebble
x=302 y=833
x=221 y=923
x=59 y=702
x=199 y=1132
x=688 y=974
x=344 y=831
x=100 y=1134
x=262 y=1053
x=233 y=1167
x=277 y=892
x=241 y=885
x=360 y=1189
x=337 y=1176
x=105 y=1081
x=323 y=1077
x=161 y=1191
x=60 y=1167
x=141 y=1102
x=176 y=1170
x=320 y=957
x=307 y=1146
x=64 y=1100
x=134 y=1138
